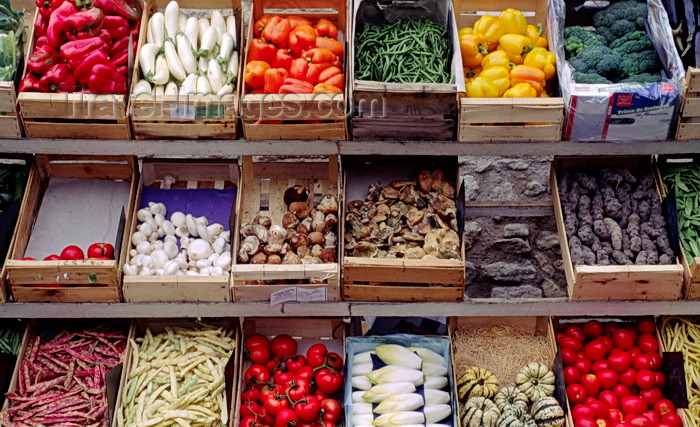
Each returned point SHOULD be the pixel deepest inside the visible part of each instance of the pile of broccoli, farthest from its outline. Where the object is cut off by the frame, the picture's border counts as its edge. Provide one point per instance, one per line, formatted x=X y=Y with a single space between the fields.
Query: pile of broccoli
x=619 y=50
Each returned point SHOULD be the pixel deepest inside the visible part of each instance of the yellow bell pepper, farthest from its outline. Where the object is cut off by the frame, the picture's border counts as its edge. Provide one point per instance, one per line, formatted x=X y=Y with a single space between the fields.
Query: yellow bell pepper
x=515 y=59
x=499 y=76
x=473 y=51
x=543 y=59
x=465 y=30
x=482 y=87
x=514 y=44
x=492 y=28
x=534 y=33
x=521 y=90
x=527 y=74
x=497 y=58
x=470 y=73
x=514 y=20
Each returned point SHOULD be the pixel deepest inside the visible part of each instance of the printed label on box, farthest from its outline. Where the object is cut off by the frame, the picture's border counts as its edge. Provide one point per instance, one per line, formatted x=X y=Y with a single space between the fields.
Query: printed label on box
x=209 y=112
x=182 y=111
x=295 y=294
x=283 y=295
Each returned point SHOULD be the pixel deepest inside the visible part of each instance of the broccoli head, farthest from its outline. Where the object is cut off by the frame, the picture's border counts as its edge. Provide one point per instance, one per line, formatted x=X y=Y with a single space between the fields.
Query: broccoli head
x=619 y=19
x=577 y=37
x=634 y=46
x=600 y=60
x=590 y=78
x=634 y=35
x=643 y=78
x=640 y=62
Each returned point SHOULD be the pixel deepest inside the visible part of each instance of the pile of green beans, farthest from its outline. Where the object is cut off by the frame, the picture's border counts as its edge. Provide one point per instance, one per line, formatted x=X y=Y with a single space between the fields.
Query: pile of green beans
x=10 y=339
x=403 y=52
x=686 y=179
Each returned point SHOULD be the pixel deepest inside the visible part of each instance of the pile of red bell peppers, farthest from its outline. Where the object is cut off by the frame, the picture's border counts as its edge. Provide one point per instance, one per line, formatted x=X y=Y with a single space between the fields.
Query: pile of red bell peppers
x=290 y=55
x=82 y=45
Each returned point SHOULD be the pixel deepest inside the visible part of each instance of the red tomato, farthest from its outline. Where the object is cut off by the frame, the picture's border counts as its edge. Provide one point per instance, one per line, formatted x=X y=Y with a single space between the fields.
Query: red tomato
x=600 y=365
x=575 y=331
x=664 y=406
x=250 y=395
x=568 y=341
x=308 y=409
x=601 y=409
x=672 y=419
x=295 y=362
x=653 y=416
x=72 y=252
x=266 y=391
x=650 y=361
x=320 y=396
x=651 y=395
x=615 y=415
x=259 y=354
x=607 y=340
x=271 y=364
x=576 y=393
x=591 y=384
x=633 y=405
x=331 y=410
x=299 y=388
x=659 y=379
x=620 y=361
x=637 y=420
x=621 y=391
x=256 y=374
x=583 y=411
x=286 y=418
x=249 y=408
x=646 y=325
x=283 y=345
x=595 y=350
x=571 y=375
x=608 y=378
x=283 y=376
x=316 y=355
x=335 y=360
x=325 y=423
x=592 y=329
x=645 y=379
x=602 y=422
x=609 y=398
x=52 y=257
x=584 y=422
x=635 y=351
x=628 y=378
x=610 y=327
x=256 y=339
x=304 y=373
x=568 y=355
x=275 y=403
x=624 y=338
x=329 y=380
x=100 y=250
x=648 y=343
x=249 y=421
x=584 y=365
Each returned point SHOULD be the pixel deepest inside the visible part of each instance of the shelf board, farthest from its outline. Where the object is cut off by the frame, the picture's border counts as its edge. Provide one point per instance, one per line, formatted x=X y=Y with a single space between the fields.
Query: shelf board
x=234 y=148
x=483 y=307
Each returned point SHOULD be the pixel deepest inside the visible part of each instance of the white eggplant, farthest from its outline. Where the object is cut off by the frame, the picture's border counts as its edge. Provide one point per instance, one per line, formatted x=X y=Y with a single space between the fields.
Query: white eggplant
x=208 y=42
x=361 y=358
x=232 y=69
x=434 y=369
x=231 y=29
x=217 y=21
x=394 y=354
x=226 y=89
x=181 y=23
x=428 y=355
x=361 y=382
x=184 y=52
x=189 y=86
x=203 y=25
x=203 y=87
x=395 y=373
x=400 y=402
x=226 y=48
x=437 y=383
x=434 y=397
x=162 y=73
x=171 y=88
x=192 y=32
x=435 y=413
x=202 y=64
x=362 y=369
x=361 y=408
x=172 y=19
x=149 y=33
x=215 y=76
x=381 y=391
x=395 y=419
x=157 y=27
x=159 y=91
x=174 y=64
x=142 y=87
x=147 y=60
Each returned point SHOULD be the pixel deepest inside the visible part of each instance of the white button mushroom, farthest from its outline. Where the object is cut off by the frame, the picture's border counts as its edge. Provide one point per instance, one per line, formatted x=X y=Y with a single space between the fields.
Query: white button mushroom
x=178 y=219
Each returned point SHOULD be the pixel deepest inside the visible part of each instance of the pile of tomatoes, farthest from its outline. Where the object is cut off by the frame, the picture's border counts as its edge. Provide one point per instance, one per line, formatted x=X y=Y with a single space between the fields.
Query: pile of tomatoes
x=613 y=375
x=285 y=389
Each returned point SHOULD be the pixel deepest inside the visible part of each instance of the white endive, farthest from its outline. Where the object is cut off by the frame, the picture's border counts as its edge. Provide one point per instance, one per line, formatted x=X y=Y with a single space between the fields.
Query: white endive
x=394 y=354
x=381 y=391
x=437 y=383
x=399 y=419
x=394 y=373
x=434 y=397
x=400 y=402
x=435 y=413
x=428 y=355
x=434 y=370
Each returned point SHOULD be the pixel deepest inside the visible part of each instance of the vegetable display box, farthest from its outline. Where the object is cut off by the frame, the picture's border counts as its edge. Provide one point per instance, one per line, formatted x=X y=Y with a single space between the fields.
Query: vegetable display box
x=10 y=123
x=202 y=193
x=185 y=368
x=614 y=241
x=402 y=222
x=689 y=114
x=405 y=111
x=679 y=337
x=297 y=114
x=287 y=231
x=508 y=119
x=10 y=126
x=91 y=198
x=618 y=111
x=156 y=114
x=14 y=173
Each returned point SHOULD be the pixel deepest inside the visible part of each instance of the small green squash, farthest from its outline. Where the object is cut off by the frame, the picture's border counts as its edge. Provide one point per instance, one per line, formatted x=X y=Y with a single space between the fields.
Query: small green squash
x=547 y=412
x=479 y=412
x=515 y=416
x=536 y=380
x=510 y=396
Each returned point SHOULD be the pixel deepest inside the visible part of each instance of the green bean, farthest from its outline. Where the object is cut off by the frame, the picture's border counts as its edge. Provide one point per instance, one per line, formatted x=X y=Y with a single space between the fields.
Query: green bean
x=686 y=181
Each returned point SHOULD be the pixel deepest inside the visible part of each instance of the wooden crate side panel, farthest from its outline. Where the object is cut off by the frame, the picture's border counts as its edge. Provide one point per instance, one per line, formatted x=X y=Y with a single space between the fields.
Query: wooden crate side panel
x=195 y=172
x=397 y=293
x=176 y=289
x=563 y=240
x=12 y=386
x=324 y=272
x=477 y=110
x=263 y=292
x=7 y=97
x=395 y=128
x=335 y=131
x=531 y=324
x=76 y=106
x=188 y=130
x=66 y=294
x=411 y=104
x=147 y=108
x=297 y=327
x=116 y=169
x=88 y=129
x=692 y=80
x=273 y=106
x=688 y=131
x=466 y=10
x=63 y=272
x=651 y=282
x=446 y=272
x=691 y=107
x=10 y=127
x=524 y=133
x=25 y=218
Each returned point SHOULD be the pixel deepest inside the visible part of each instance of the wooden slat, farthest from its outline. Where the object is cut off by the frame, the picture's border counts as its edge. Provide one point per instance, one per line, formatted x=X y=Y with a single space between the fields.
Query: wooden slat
x=263 y=292
x=176 y=289
x=7 y=97
x=448 y=272
x=691 y=107
x=522 y=133
x=285 y=272
x=411 y=88
x=563 y=239
x=293 y=107
x=87 y=129
x=397 y=128
x=653 y=282
x=64 y=272
x=688 y=131
x=10 y=127
x=67 y=294
x=77 y=106
x=511 y=110
x=189 y=130
x=353 y=292
x=326 y=131
x=147 y=107
x=299 y=328
x=692 y=79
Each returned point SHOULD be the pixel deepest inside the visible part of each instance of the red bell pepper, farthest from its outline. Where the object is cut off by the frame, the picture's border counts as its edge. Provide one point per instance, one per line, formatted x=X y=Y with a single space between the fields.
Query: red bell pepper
x=283 y=59
x=277 y=31
x=41 y=24
x=295 y=21
x=121 y=58
x=259 y=25
x=45 y=7
x=118 y=7
x=302 y=38
x=326 y=88
x=332 y=76
x=77 y=50
x=30 y=82
x=123 y=70
x=83 y=72
x=291 y=85
x=325 y=28
x=116 y=26
x=57 y=25
x=84 y=24
x=104 y=35
x=333 y=45
x=274 y=77
x=41 y=41
x=301 y=69
x=322 y=58
x=58 y=79
x=261 y=51
x=43 y=58
x=119 y=45
x=106 y=79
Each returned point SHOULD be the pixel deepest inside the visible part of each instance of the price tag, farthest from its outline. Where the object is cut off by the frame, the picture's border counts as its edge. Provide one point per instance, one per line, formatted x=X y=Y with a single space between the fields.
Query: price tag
x=311 y=295
x=182 y=111
x=283 y=295
x=209 y=111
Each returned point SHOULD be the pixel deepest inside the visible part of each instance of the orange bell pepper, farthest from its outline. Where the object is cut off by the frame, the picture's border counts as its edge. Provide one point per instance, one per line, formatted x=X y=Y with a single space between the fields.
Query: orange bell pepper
x=514 y=21
x=301 y=69
x=497 y=58
x=543 y=59
x=482 y=87
x=521 y=90
x=499 y=76
x=295 y=21
x=472 y=49
x=277 y=31
x=534 y=33
x=254 y=75
x=322 y=58
x=332 y=76
x=331 y=44
x=527 y=74
x=325 y=28
x=261 y=51
x=259 y=25
x=282 y=59
x=492 y=28
x=326 y=88
x=291 y=85
x=274 y=77
x=301 y=39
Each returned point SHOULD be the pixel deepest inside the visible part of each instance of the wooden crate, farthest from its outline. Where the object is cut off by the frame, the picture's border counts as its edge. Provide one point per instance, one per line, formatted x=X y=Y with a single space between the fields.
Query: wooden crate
x=297 y=116
x=262 y=191
x=72 y=115
x=76 y=281
x=189 y=175
x=689 y=112
x=616 y=282
x=186 y=116
x=399 y=279
x=508 y=119
x=157 y=326
x=407 y=111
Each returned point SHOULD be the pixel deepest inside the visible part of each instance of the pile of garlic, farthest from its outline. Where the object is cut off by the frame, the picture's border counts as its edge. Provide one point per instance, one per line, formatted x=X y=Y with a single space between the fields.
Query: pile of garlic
x=205 y=249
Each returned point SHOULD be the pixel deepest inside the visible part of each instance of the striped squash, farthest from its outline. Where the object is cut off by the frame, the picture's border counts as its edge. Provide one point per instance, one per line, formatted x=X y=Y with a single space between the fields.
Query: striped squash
x=475 y=382
x=510 y=396
x=479 y=412
x=536 y=380
x=547 y=412
x=515 y=416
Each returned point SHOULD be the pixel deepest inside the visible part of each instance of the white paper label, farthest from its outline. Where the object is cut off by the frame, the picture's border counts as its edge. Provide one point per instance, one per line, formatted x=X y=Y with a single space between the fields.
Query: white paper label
x=295 y=294
x=182 y=111
x=283 y=295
